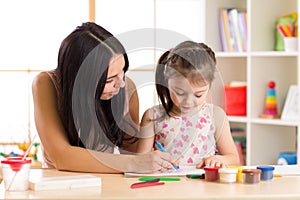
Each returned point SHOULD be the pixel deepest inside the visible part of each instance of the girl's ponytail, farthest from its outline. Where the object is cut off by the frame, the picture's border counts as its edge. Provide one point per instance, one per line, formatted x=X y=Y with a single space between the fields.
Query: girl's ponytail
x=161 y=83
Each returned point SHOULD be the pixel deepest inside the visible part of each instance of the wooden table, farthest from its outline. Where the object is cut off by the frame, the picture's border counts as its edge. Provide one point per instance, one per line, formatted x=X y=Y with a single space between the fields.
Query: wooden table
x=116 y=186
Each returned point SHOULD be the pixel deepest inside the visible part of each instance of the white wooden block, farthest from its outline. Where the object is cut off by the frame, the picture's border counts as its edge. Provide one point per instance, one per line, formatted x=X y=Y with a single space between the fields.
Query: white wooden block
x=65 y=182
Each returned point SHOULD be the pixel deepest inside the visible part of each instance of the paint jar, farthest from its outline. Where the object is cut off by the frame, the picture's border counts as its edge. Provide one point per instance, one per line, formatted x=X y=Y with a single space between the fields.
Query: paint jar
x=251 y=176
x=15 y=172
x=211 y=173
x=228 y=175
x=266 y=172
x=239 y=175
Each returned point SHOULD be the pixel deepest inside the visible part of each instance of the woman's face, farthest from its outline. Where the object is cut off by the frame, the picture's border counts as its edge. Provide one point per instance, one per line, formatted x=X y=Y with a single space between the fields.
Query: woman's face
x=115 y=77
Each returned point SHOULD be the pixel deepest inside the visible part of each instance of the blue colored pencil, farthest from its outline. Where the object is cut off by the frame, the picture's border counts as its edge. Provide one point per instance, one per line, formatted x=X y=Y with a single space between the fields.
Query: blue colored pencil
x=163 y=150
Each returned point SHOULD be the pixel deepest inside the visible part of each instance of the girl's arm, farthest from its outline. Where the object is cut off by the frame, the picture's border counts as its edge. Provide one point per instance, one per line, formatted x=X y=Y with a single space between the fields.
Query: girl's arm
x=146 y=135
x=227 y=149
x=71 y=158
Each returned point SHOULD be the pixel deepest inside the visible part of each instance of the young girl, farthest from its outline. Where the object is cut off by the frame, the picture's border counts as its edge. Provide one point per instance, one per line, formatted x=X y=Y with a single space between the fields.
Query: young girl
x=186 y=125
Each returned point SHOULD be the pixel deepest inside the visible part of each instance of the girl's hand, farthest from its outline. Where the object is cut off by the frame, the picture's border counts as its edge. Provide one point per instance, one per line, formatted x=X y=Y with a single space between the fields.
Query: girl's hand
x=212 y=161
x=152 y=162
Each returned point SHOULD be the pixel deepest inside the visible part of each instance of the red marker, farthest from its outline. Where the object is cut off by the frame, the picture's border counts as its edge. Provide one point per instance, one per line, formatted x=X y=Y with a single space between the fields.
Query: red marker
x=147 y=183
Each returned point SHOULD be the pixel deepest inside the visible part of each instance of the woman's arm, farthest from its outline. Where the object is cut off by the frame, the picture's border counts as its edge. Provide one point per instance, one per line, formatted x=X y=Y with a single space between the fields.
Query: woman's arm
x=227 y=149
x=52 y=133
x=133 y=101
x=133 y=115
x=70 y=158
x=146 y=135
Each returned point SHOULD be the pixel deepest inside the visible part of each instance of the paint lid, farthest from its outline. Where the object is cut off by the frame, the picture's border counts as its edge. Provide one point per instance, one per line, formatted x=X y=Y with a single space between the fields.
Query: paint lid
x=228 y=170
x=251 y=171
x=266 y=168
x=240 y=168
x=16 y=162
x=212 y=169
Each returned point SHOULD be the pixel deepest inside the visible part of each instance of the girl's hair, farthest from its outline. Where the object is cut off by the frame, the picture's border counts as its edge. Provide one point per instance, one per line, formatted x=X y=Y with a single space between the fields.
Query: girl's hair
x=81 y=74
x=193 y=61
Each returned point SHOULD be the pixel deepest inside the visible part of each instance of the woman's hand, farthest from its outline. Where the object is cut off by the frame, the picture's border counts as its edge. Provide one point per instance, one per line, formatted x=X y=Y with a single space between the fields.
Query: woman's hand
x=212 y=161
x=152 y=162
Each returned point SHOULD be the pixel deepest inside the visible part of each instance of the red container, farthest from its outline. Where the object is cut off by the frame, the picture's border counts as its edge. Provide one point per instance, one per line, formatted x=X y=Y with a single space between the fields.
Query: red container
x=211 y=173
x=235 y=100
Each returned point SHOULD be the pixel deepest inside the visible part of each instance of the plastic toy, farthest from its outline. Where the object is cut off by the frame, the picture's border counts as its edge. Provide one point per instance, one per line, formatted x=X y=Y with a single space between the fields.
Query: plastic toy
x=23 y=147
x=270 y=103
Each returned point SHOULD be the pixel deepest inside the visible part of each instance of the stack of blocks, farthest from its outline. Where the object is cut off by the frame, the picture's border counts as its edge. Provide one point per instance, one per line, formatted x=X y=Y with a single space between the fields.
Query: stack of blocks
x=271 y=103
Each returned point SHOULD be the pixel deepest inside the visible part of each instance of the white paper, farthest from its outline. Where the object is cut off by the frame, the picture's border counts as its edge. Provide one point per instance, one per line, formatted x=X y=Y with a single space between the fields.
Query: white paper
x=183 y=171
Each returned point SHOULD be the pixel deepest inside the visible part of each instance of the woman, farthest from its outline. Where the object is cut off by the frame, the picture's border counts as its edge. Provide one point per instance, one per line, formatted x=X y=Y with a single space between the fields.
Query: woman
x=84 y=112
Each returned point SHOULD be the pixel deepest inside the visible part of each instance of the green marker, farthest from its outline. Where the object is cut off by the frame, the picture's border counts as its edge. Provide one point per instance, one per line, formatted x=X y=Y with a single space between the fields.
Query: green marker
x=161 y=179
x=195 y=176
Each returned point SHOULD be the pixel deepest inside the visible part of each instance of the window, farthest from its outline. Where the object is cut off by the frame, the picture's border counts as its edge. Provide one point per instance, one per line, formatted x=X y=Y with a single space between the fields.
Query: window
x=31 y=34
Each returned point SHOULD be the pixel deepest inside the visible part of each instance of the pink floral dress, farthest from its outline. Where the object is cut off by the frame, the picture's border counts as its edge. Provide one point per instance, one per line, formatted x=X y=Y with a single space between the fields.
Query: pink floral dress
x=187 y=138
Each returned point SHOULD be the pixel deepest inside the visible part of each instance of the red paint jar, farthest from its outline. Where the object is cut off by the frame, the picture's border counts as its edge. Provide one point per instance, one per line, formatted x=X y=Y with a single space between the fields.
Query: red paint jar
x=211 y=173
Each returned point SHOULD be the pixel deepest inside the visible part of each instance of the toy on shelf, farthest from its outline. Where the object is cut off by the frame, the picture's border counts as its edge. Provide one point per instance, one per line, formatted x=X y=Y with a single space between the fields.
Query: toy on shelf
x=270 y=103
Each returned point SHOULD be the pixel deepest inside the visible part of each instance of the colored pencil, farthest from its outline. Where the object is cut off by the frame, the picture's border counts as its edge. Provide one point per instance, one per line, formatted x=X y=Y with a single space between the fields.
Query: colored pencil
x=163 y=150
x=148 y=183
x=161 y=179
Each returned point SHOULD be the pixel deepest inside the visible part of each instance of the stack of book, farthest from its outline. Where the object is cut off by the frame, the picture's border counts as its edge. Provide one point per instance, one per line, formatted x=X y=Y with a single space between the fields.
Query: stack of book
x=239 y=137
x=233 y=29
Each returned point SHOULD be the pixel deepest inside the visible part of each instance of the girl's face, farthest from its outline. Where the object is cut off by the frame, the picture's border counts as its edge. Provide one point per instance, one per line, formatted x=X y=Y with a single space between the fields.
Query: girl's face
x=187 y=97
x=115 y=77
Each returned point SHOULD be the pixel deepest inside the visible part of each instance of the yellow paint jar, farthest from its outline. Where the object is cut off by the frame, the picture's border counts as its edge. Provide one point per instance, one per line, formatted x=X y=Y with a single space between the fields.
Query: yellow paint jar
x=239 y=175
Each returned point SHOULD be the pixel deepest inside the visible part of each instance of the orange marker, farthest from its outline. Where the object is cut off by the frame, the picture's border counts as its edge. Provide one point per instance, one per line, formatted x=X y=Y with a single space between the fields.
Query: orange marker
x=287 y=31
x=290 y=29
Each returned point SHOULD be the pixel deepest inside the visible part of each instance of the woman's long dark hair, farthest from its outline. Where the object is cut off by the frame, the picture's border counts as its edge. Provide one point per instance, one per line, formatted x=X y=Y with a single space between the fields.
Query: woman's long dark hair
x=189 y=59
x=81 y=74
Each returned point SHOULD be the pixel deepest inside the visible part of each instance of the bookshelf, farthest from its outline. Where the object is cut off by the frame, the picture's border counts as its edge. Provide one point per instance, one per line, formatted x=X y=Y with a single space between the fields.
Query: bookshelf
x=256 y=66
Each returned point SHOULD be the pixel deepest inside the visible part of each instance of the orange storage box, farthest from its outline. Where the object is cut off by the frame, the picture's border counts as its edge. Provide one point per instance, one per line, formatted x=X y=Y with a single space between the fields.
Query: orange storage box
x=235 y=100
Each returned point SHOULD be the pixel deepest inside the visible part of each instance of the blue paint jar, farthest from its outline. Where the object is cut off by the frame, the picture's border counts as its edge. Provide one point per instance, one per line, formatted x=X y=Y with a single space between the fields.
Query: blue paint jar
x=266 y=172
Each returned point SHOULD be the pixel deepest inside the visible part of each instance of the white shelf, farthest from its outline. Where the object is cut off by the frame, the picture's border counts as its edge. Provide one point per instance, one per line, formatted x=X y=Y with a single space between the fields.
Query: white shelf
x=257 y=66
x=221 y=54
x=278 y=122
x=237 y=119
x=273 y=53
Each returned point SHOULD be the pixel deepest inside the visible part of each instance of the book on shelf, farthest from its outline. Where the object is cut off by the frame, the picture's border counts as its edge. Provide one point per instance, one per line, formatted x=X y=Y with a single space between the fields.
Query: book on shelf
x=238 y=133
x=240 y=152
x=239 y=138
x=242 y=22
x=222 y=33
x=224 y=30
x=233 y=19
x=233 y=29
